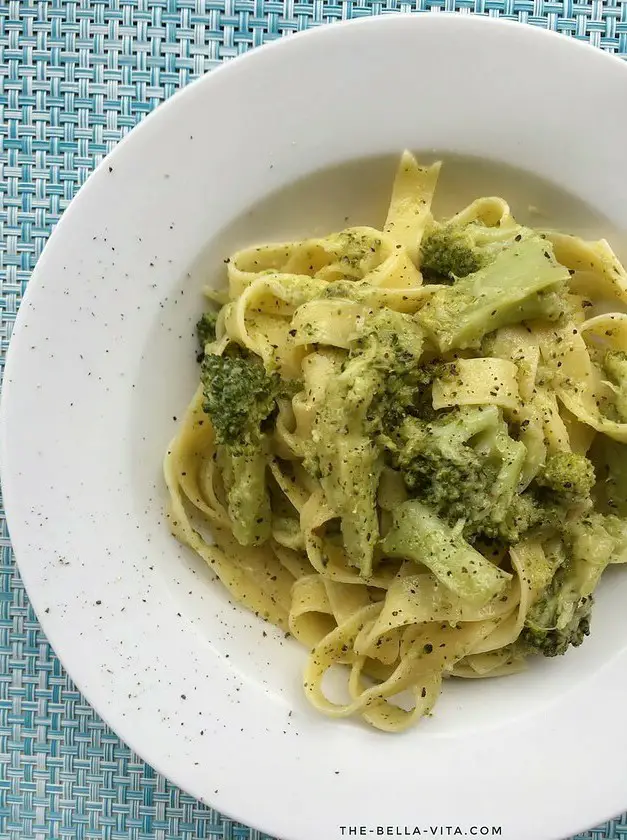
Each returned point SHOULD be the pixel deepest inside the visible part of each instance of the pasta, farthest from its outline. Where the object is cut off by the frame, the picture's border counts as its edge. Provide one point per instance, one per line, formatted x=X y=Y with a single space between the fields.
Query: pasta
x=405 y=448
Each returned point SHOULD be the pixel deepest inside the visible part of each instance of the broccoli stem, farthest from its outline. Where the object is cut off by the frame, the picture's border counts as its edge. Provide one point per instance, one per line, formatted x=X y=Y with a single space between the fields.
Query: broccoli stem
x=420 y=535
x=512 y=456
x=519 y=285
x=349 y=461
x=239 y=397
x=244 y=475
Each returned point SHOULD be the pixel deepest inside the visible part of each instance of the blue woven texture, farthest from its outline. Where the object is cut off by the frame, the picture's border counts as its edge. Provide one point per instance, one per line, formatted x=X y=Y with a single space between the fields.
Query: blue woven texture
x=74 y=78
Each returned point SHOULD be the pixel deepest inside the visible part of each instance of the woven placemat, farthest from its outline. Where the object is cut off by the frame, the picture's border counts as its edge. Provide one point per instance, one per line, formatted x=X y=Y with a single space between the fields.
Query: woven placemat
x=74 y=78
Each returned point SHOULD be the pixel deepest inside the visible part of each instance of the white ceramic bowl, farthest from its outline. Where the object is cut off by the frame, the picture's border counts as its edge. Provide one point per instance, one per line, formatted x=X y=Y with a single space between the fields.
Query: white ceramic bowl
x=101 y=363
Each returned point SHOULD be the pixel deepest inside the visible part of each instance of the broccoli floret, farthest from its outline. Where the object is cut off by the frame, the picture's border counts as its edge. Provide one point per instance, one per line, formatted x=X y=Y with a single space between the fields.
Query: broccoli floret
x=453 y=250
x=417 y=533
x=566 y=478
x=239 y=397
x=406 y=392
x=547 y=630
x=523 y=282
x=615 y=365
x=448 y=252
x=560 y=615
x=561 y=488
x=465 y=466
x=206 y=331
x=438 y=464
x=524 y=514
x=391 y=345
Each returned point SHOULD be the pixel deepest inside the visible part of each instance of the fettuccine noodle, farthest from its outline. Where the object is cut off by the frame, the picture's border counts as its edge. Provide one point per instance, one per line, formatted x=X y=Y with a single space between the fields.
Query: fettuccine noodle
x=321 y=522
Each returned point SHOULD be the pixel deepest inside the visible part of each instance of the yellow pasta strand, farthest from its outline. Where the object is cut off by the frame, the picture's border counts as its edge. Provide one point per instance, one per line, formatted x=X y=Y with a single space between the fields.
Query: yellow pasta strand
x=389 y=627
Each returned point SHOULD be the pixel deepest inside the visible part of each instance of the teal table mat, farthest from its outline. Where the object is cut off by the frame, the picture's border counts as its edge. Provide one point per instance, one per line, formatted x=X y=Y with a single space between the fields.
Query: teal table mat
x=75 y=77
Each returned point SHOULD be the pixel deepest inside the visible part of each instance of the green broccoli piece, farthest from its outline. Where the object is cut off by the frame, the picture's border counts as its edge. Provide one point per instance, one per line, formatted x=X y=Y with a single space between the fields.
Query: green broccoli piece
x=239 y=397
x=391 y=340
x=406 y=392
x=616 y=527
x=508 y=455
x=563 y=486
x=453 y=250
x=206 y=331
x=465 y=467
x=615 y=366
x=523 y=282
x=560 y=616
x=434 y=456
x=418 y=534
x=243 y=469
x=593 y=541
x=523 y=515
x=348 y=456
x=566 y=479
x=448 y=252
x=558 y=620
x=610 y=459
x=347 y=460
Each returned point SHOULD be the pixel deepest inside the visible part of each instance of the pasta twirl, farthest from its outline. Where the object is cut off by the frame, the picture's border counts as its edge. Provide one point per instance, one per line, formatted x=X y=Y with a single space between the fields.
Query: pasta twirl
x=405 y=446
